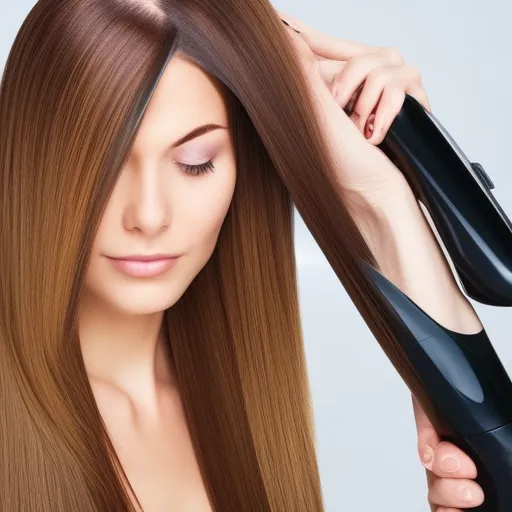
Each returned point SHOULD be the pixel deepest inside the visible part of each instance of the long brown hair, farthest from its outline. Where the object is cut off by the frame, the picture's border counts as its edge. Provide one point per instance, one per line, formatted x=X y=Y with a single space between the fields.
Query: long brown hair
x=74 y=89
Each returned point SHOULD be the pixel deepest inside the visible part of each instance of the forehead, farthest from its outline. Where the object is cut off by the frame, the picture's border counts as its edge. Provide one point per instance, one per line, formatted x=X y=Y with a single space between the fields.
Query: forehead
x=185 y=97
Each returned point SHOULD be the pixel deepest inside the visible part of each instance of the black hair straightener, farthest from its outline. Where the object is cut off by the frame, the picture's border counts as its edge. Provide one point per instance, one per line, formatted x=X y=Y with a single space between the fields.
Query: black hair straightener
x=457 y=194
x=465 y=388
x=457 y=378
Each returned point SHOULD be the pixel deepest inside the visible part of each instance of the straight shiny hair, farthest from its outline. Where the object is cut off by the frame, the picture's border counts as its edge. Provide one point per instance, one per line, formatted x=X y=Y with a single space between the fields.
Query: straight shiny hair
x=76 y=83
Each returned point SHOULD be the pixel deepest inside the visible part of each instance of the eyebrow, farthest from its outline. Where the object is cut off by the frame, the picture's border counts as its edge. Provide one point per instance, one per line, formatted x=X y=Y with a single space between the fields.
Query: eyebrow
x=196 y=132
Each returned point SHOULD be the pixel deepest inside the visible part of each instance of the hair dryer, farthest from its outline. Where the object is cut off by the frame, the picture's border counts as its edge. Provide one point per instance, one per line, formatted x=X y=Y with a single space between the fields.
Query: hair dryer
x=466 y=391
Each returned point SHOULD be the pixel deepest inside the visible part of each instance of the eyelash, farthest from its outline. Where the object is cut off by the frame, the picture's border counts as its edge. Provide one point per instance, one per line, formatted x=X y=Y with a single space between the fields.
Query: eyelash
x=195 y=170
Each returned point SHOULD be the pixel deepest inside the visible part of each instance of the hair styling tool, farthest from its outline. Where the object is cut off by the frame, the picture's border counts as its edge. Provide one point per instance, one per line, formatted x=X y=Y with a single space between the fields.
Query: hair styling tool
x=457 y=194
x=465 y=390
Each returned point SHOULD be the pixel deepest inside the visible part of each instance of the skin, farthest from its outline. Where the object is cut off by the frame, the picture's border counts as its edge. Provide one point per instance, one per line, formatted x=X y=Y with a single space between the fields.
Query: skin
x=156 y=207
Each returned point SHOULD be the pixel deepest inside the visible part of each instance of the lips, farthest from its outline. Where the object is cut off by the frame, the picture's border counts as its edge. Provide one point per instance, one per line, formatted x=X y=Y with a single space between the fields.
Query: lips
x=151 y=266
x=143 y=257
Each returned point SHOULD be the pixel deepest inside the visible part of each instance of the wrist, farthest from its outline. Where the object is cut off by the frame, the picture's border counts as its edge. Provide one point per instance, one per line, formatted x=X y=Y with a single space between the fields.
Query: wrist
x=377 y=207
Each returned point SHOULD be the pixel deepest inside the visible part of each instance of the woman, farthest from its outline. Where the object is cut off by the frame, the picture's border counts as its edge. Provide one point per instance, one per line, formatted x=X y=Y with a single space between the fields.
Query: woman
x=181 y=384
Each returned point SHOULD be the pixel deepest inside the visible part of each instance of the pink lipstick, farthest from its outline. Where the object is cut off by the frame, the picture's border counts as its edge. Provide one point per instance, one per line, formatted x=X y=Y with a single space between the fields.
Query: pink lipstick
x=143 y=266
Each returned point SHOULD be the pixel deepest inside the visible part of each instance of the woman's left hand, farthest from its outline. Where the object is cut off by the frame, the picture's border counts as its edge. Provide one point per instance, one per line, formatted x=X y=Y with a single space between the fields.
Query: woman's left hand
x=372 y=83
x=368 y=82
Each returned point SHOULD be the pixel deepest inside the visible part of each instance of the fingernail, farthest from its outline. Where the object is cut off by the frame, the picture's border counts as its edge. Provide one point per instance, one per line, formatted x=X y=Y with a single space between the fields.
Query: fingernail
x=369 y=131
x=427 y=456
x=449 y=464
x=370 y=126
x=466 y=494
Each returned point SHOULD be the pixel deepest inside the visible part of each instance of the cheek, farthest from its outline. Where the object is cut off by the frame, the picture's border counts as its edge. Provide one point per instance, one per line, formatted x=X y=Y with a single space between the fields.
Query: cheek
x=205 y=214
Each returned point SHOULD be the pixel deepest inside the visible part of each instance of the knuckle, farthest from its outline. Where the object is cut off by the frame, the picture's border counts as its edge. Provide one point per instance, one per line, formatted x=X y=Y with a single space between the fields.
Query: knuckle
x=413 y=72
x=393 y=55
x=442 y=451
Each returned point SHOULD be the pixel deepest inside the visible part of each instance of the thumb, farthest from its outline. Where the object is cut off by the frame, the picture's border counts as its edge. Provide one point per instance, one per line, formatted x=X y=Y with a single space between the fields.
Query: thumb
x=428 y=438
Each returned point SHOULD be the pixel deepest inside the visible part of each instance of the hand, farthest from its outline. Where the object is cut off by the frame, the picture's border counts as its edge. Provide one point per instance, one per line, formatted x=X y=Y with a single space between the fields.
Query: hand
x=339 y=72
x=450 y=472
x=368 y=82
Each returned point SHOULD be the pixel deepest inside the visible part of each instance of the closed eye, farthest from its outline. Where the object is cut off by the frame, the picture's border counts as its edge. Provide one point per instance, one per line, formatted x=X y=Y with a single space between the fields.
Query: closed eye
x=195 y=170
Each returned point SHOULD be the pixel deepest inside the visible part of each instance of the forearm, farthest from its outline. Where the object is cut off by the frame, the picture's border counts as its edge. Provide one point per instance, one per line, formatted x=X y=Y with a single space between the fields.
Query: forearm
x=409 y=255
x=391 y=220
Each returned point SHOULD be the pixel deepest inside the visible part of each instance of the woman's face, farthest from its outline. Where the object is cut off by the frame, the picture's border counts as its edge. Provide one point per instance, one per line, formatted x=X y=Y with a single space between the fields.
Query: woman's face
x=159 y=204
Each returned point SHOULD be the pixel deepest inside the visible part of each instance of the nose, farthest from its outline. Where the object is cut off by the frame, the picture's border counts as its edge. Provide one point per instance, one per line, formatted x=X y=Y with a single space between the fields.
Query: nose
x=148 y=209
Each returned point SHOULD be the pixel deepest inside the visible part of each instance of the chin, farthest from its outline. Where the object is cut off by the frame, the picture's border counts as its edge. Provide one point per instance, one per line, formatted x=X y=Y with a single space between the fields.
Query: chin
x=142 y=299
x=147 y=303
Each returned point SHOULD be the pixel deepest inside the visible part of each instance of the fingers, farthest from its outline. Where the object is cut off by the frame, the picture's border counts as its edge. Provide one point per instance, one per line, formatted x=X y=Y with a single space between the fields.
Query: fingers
x=372 y=92
x=450 y=461
x=390 y=103
x=444 y=459
x=450 y=472
x=372 y=80
x=385 y=86
x=455 y=492
x=352 y=75
x=325 y=45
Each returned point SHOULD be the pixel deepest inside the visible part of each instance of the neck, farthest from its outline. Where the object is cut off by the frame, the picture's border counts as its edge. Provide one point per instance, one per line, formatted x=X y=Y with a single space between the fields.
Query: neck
x=127 y=352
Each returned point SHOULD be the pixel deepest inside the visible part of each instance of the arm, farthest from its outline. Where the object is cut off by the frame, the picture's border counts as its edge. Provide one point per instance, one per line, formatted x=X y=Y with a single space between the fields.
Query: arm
x=409 y=255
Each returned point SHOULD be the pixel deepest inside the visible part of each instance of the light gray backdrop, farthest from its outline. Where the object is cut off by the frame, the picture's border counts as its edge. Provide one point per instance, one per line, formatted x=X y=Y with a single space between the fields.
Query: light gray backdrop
x=364 y=421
